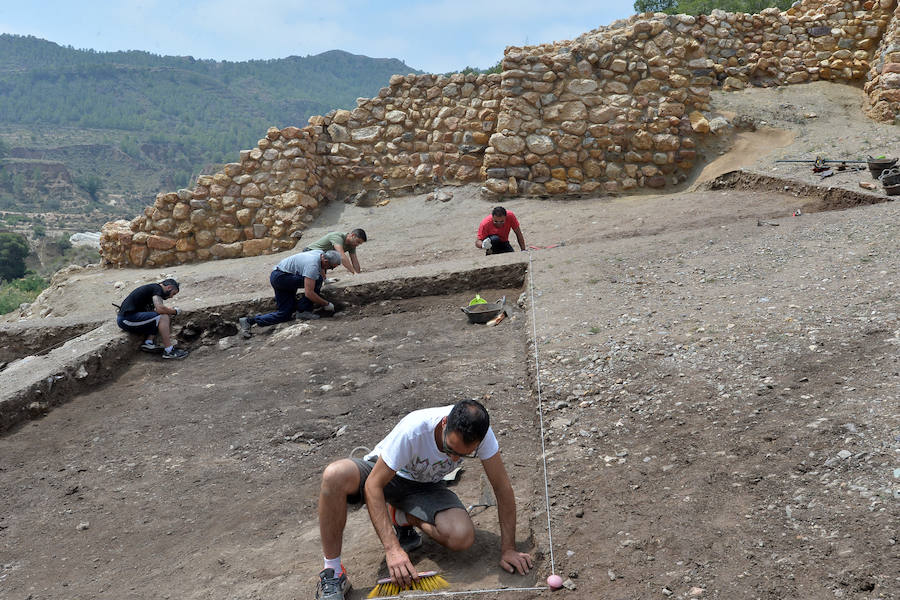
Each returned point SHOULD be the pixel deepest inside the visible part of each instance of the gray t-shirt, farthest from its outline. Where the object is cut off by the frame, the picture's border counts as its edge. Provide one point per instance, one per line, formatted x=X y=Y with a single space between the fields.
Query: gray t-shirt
x=305 y=263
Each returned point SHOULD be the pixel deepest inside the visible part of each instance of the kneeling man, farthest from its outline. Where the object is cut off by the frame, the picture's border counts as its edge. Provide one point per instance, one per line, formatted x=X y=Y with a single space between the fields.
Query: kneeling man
x=401 y=483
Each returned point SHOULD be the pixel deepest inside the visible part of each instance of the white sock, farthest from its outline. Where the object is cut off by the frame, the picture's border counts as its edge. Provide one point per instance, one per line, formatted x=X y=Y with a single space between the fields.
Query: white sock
x=149 y=341
x=169 y=348
x=334 y=563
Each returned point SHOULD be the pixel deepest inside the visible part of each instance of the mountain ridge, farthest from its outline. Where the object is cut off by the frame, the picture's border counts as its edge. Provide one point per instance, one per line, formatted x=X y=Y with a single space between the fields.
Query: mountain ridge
x=169 y=116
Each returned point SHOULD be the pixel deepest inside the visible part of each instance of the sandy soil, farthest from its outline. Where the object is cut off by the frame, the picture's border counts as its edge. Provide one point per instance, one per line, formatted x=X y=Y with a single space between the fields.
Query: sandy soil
x=716 y=383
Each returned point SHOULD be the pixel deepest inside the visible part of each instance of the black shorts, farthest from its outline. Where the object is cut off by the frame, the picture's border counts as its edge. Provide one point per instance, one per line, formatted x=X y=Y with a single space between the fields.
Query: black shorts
x=139 y=322
x=421 y=500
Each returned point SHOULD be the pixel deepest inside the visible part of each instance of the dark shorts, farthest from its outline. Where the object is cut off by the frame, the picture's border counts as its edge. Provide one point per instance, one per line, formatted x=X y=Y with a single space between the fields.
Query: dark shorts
x=498 y=246
x=421 y=500
x=139 y=322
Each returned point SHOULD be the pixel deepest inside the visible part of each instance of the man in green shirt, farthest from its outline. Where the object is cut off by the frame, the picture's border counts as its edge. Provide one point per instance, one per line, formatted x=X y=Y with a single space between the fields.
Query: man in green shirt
x=345 y=244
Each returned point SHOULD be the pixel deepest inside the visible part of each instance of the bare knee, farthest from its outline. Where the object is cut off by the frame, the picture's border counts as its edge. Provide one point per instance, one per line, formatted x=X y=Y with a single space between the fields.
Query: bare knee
x=461 y=540
x=457 y=533
x=340 y=477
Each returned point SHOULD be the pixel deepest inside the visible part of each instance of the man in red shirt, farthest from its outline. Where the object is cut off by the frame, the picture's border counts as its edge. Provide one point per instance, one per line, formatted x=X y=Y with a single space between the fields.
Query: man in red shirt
x=493 y=233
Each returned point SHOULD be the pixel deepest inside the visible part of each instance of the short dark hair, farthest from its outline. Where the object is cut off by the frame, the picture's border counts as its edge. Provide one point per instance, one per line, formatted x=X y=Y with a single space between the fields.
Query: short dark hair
x=171 y=282
x=498 y=211
x=469 y=418
x=360 y=234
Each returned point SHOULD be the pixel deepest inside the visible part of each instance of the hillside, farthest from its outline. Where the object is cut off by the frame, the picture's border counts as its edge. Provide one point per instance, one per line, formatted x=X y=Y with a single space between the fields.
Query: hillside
x=141 y=123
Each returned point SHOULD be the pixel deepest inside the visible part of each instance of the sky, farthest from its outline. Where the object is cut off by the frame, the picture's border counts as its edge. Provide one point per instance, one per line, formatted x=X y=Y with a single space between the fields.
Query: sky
x=437 y=37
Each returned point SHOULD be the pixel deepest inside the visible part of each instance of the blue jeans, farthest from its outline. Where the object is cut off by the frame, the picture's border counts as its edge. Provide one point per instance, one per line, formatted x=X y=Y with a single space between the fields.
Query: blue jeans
x=286 y=286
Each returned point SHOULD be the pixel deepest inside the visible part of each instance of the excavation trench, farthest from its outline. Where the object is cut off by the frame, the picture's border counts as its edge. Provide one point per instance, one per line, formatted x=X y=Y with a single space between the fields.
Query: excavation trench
x=169 y=458
x=45 y=366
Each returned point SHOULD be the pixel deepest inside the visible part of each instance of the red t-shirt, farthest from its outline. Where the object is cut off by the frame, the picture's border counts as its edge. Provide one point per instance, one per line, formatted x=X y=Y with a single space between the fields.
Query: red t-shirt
x=487 y=227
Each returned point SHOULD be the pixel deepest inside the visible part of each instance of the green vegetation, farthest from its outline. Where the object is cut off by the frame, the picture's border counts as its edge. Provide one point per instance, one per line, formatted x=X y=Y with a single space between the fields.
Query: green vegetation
x=18 y=282
x=92 y=185
x=14 y=293
x=13 y=250
x=56 y=259
x=213 y=109
x=123 y=126
x=497 y=68
x=704 y=7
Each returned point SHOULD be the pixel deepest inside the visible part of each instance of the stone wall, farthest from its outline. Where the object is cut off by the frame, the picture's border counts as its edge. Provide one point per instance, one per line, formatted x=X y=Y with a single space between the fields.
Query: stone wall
x=883 y=86
x=256 y=206
x=420 y=130
x=620 y=108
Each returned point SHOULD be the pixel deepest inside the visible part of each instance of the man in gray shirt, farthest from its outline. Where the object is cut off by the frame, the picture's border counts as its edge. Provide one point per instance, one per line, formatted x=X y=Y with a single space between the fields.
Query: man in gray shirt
x=305 y=270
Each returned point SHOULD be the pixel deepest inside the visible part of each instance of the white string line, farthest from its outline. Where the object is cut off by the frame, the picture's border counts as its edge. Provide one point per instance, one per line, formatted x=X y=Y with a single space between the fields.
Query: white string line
x=462 y=592
x=537 y=373
x=543 y=458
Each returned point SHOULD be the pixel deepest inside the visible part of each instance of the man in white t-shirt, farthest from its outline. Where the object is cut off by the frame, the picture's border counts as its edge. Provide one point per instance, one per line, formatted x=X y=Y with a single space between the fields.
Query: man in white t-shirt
x=401 y=483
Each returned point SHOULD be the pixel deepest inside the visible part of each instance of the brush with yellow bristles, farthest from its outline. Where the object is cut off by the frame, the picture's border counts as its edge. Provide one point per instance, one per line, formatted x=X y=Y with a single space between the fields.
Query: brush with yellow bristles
x=427 y=581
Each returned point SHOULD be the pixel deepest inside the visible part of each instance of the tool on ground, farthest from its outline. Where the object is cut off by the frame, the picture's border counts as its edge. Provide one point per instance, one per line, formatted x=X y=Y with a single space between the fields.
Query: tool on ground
x=504 y=312
x=547 y=247
x=486 y=500
x=453 y=475
x=428 y=581
x=821 y=164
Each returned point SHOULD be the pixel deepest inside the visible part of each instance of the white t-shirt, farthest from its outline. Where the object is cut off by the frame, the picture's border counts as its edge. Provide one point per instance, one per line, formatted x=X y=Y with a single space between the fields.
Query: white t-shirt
x=411 y=451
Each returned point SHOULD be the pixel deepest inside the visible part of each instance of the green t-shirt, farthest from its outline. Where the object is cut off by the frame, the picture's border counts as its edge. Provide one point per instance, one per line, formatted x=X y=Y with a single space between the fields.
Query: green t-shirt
x=328 y=241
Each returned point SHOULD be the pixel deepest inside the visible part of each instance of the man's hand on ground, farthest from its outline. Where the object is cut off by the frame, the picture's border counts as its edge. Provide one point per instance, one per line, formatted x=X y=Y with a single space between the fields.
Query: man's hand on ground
x=514 y=561
x=401 y=569
x=329 y=307
x=177 y=311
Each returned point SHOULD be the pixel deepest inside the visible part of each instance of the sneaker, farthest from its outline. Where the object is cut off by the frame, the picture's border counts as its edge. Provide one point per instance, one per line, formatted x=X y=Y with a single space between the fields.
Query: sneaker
x=175 y=353
x=410 y=539
x=407 y=535
x=307 y=316
x=331 y=587
x=245 y=325
x=150 y=346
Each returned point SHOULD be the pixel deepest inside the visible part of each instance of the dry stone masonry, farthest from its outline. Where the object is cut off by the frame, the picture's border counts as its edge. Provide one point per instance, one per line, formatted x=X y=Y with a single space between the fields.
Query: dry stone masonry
x=620 y=108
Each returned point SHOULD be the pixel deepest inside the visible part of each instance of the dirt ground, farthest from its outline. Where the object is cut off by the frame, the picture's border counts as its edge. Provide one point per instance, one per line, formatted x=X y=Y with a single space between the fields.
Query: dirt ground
x=716 y=382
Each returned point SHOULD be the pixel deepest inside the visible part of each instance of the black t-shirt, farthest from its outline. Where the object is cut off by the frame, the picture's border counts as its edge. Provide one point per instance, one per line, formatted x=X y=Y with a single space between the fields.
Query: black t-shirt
x=141 y=299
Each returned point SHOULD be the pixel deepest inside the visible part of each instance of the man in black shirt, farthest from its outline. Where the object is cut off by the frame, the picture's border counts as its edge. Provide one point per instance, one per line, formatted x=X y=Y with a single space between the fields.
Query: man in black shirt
x=143 y=312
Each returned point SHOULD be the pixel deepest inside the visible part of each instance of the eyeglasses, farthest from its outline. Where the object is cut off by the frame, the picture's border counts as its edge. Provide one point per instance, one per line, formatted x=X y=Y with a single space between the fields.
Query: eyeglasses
x=452 y=452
